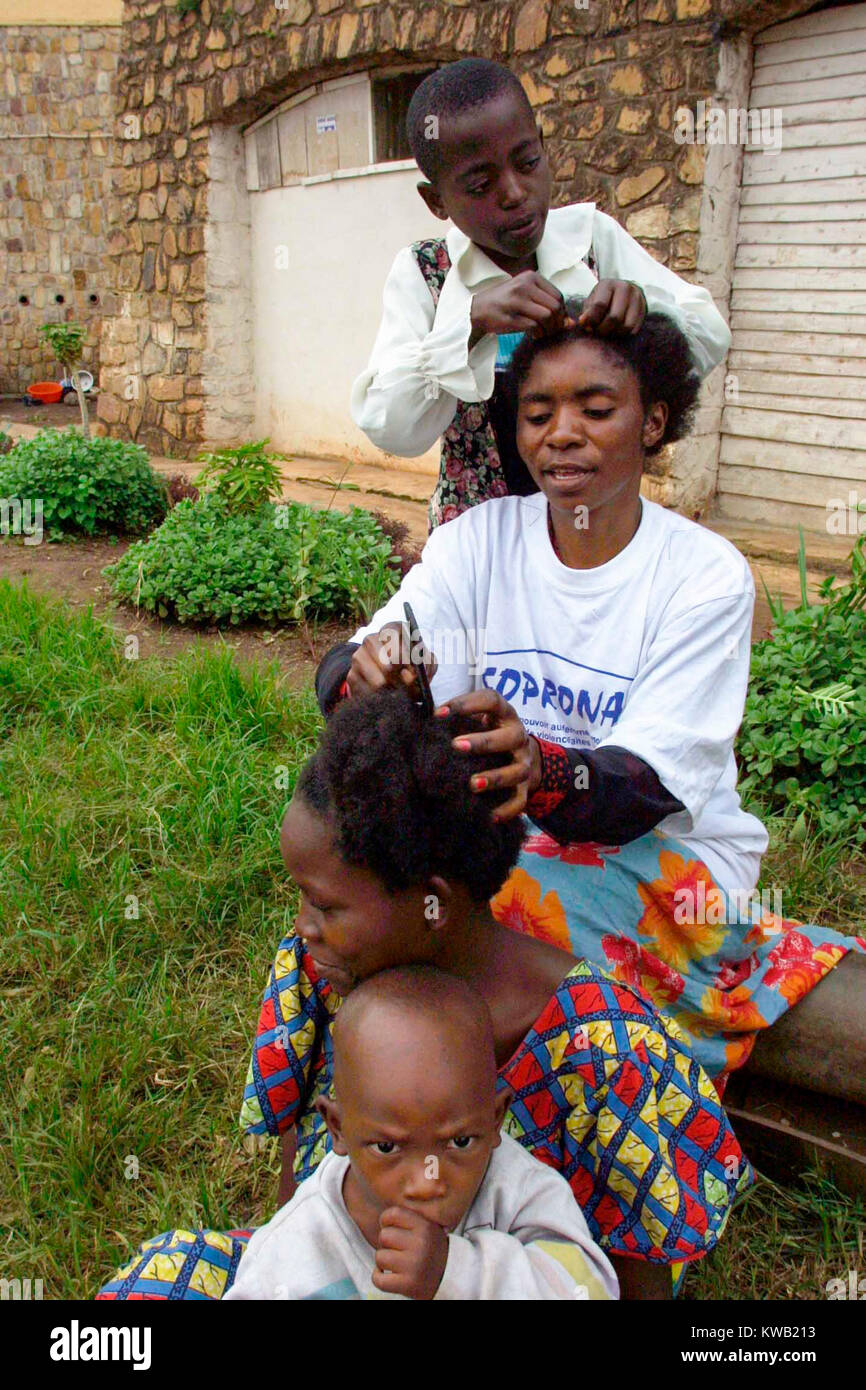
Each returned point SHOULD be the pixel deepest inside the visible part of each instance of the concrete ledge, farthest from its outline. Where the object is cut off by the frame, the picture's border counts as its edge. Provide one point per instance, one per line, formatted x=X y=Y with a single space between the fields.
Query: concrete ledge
x=86 y=13
x=825 y=554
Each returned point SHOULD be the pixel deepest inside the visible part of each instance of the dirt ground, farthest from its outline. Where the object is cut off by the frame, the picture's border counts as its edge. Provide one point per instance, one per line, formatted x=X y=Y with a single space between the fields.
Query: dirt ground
x=43 y=416
x=73 y=571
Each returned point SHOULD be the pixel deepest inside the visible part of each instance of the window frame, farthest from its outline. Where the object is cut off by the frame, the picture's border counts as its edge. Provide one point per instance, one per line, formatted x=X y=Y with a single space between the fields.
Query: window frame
x=367 y=77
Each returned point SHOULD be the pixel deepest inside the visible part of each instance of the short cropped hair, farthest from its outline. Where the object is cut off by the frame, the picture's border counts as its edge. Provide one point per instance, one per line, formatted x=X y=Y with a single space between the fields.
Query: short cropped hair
x=421 y=989
x=658 y=354
x=397 y=796
x=455 y=87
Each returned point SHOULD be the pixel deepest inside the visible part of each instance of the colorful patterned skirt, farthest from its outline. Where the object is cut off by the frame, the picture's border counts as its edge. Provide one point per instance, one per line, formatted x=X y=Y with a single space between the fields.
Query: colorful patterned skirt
x=722 y=965
x=652 y=915
x=196 y=1266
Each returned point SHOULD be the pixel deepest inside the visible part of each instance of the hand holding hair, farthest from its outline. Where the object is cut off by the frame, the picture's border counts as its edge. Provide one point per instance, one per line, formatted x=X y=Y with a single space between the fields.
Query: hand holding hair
x=524 y=303
x=383 y=661
x=505 y=733
x=614 y=306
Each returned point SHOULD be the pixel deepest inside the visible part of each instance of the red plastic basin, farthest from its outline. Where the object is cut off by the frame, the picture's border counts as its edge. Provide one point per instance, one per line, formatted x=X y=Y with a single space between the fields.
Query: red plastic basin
x=48 y=392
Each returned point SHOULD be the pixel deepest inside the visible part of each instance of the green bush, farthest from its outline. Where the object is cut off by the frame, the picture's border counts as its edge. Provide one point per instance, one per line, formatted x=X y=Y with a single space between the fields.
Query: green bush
x=206 y=564
x=244 y=478
x=801 y=744
x=87 y=486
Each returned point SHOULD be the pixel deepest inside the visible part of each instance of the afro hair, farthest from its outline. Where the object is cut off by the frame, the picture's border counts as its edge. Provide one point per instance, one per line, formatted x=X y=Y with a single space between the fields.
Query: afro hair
x=397 y=796
x=658 y=354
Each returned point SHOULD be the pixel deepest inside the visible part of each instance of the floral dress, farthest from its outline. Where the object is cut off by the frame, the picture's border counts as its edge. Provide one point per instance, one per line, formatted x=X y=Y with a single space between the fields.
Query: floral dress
x=721 y=966
x=470 y=470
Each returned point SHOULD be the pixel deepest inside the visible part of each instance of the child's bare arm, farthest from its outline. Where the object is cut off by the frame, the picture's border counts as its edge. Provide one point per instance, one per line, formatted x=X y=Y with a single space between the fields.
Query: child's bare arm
x=639 y=1280
x=288 y=1148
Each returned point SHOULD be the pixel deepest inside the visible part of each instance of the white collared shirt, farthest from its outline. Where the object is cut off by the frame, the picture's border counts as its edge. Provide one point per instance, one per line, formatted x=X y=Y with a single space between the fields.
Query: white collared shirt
x=421 y=367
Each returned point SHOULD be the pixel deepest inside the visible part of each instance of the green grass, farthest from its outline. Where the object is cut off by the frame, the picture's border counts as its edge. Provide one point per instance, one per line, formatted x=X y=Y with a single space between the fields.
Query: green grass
x=125 y=1036
x=128 y=1037
x=783 y=1243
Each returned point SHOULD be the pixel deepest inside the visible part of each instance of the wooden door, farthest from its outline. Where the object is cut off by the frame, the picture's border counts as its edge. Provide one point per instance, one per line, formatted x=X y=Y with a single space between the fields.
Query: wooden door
x=794 y=423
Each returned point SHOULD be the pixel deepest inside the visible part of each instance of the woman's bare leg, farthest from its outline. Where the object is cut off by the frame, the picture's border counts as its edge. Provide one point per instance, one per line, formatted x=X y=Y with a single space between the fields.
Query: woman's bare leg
x=821 y=1042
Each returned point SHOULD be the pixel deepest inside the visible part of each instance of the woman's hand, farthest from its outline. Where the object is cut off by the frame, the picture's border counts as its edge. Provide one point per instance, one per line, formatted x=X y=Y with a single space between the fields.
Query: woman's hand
x=503 y=733
x=614 y=306
x=382 y=660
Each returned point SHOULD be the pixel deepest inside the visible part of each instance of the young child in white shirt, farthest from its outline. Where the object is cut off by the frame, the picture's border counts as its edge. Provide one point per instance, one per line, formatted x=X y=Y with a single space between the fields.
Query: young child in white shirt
x=455 y=307
x=421 y=1196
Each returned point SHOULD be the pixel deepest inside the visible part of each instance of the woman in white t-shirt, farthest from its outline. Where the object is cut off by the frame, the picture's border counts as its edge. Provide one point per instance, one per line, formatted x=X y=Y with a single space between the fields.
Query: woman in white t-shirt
x=607 y=642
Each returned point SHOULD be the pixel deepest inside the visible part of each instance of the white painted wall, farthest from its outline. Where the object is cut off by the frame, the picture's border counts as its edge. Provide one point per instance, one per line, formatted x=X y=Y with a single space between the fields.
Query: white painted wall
x=315 y=322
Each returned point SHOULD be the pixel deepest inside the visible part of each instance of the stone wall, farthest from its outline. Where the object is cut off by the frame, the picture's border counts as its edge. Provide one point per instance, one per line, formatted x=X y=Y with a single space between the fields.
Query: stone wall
x=56 y=122
x=604 y=76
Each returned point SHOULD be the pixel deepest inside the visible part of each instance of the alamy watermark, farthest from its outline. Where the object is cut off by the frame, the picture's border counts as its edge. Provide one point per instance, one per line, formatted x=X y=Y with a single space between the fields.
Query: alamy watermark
x=77 y=1343
x=729 y=125
x=450 y=647
x=22 y=517
x=706 y=905
x=847 y=518
x=852 y=1287
x=20 y=1289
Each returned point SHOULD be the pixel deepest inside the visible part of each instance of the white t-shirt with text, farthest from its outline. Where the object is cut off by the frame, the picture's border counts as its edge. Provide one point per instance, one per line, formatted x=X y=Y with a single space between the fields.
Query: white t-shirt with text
x=649 y=652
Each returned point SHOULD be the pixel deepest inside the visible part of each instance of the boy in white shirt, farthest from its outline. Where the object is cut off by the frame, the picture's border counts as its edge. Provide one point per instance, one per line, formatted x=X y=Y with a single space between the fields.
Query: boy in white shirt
x=454 y=308
x=421 y=1196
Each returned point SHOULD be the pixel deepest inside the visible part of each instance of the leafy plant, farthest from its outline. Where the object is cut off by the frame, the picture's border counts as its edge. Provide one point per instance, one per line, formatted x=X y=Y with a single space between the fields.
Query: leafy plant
x=85 y=485
x=7 y=443
x=801 y=744
x=65 y=340
x=244 y=478
x=206 y=563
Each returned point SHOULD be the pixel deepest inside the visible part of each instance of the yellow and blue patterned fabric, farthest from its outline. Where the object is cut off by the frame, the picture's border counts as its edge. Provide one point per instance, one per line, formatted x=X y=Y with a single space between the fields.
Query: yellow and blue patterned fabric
x=191 y=1265
x=605 y=1092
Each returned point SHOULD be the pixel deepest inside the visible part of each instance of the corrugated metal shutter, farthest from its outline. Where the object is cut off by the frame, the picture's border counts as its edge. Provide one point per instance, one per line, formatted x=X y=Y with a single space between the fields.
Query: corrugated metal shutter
x=794 y=430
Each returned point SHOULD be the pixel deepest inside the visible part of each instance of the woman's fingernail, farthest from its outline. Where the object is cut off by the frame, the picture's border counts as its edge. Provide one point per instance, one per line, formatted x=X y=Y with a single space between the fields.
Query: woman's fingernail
x=480 y=784
x=441 y=711
x=463 y=744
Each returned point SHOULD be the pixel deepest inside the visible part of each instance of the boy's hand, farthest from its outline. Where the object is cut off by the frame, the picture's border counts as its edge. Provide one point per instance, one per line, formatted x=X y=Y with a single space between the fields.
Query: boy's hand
x=412 y=1254
x=525 y=303
x=383 y=660
x=614 y=306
